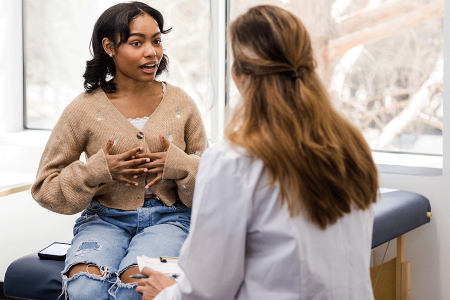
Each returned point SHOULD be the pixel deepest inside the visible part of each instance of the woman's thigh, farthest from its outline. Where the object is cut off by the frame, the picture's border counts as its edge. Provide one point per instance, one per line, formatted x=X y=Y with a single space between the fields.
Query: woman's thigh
x=98 y=246
x=99 y=243
x=155 y=241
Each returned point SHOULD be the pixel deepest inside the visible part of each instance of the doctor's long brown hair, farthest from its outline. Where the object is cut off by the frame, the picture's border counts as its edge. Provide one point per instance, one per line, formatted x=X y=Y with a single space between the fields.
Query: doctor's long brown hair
x=321 y=162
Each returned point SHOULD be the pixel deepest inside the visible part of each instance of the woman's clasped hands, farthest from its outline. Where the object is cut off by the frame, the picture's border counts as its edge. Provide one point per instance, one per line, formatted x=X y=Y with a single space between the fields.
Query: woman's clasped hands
x=135 y=163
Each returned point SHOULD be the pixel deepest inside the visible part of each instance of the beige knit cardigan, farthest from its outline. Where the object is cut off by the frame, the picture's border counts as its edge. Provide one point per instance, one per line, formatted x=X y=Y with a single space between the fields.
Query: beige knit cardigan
x=66 y=185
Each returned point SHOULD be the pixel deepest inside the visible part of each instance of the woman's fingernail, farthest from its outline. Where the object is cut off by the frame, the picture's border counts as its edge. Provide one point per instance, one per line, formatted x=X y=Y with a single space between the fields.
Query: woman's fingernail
x=136 y=184
x=147 y=160
x=134 y=176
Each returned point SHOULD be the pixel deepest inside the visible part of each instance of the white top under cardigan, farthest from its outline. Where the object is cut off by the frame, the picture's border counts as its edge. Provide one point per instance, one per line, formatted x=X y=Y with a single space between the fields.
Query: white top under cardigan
x=139 y=123
x=243 y=244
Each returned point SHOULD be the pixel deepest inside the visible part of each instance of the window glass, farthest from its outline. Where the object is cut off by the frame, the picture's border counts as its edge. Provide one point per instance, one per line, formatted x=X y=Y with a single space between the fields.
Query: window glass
x=57 y=37
x=382 y=61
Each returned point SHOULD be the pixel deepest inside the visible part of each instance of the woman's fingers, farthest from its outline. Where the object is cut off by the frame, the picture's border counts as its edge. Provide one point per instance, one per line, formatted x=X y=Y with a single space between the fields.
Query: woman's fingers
x=151 y=156
x=154 y=284
x=137 y=163
x=140 y=175
x=124 y=179
x=109 y=145
x=147 y=291
x=149 y=171
x=155 y=170
x=148 y=271
x=157 y=179
x=135 y=172
x=131 y=153
x=151 y=165
x=164 y=141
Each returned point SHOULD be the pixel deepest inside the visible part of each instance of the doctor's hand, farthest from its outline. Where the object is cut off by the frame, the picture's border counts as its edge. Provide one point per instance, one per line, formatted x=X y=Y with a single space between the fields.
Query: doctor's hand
x=157 y=162
x=122 y=164
x=154 y=284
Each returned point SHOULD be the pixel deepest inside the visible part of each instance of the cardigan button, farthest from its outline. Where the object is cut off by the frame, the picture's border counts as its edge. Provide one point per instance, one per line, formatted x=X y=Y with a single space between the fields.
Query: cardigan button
x=140 y=135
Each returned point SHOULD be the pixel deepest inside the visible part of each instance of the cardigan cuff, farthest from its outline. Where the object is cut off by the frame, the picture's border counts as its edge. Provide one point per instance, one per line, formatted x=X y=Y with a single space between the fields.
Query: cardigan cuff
x=178 y=163
x=98 y=169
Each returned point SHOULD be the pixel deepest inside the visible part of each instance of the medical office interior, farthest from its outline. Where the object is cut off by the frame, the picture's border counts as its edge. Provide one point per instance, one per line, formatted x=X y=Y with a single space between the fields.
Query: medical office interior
x=385 y=63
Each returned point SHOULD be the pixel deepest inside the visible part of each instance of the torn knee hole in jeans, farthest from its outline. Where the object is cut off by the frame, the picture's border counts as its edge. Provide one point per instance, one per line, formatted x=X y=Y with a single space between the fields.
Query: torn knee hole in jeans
x=91 y=245
x=120 y=284
x=104 y=271
x=119 y=275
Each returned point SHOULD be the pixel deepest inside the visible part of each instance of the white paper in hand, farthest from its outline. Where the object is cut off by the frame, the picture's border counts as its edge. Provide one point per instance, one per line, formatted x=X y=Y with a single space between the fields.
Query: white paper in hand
x=169 y=268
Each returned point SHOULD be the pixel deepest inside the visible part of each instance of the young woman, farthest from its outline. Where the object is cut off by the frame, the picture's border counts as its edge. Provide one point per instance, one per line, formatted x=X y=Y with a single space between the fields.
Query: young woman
x=283 y=205
x=143 y=139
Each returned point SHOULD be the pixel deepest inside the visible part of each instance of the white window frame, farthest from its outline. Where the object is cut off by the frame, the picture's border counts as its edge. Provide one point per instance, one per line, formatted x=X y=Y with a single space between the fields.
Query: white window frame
x=218 y=65
x=11 y=72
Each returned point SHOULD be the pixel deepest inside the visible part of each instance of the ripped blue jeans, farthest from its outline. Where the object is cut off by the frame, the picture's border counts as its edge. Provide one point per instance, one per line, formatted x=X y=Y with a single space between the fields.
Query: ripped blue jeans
x=111 y=240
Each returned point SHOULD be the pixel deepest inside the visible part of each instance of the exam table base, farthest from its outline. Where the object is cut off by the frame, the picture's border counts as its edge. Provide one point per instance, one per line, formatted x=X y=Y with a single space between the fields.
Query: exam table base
x=394 y=279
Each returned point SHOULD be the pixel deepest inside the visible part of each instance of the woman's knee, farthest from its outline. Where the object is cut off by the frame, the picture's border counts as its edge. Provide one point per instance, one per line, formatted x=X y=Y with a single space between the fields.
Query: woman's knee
x=125 y=276
x=86 y=282
x=84 y=268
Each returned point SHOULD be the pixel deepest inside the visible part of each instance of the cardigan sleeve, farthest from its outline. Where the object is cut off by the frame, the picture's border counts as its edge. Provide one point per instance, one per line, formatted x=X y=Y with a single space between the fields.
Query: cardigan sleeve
x=181 y=166
x=64 y=184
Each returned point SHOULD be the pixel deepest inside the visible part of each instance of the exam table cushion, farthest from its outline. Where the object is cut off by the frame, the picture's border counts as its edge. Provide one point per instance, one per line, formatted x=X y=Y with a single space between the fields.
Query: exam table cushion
x=396 y=213
x=31 y=277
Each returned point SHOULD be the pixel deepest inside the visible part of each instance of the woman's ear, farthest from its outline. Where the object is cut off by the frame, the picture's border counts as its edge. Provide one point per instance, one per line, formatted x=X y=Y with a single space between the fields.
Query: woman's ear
x=108 y=46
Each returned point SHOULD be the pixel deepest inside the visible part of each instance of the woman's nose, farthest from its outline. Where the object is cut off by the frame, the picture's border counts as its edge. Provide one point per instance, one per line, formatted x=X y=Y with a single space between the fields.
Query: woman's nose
x=150 y=51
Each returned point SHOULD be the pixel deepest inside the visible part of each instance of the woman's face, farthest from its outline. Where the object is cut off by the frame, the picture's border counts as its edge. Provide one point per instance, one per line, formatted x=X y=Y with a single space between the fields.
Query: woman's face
x=139 y=57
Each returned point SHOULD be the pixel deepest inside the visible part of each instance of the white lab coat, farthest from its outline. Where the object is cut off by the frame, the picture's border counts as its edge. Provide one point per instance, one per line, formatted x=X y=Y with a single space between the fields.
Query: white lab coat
x=243 y=244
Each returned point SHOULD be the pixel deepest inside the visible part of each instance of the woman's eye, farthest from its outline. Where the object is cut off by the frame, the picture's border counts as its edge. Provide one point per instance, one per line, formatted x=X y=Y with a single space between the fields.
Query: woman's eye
x=135 y=43
x=157 y=42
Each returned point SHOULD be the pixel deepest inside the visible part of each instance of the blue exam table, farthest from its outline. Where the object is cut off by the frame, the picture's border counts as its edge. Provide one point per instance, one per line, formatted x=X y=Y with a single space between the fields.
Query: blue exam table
x=396 y=213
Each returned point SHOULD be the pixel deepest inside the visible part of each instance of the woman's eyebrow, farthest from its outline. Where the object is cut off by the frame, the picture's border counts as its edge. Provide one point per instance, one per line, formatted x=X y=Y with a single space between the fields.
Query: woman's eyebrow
x=143 y=35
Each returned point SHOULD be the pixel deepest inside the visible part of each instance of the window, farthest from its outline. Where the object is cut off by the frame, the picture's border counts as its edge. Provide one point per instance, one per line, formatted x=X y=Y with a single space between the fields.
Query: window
x=57 y=37
x=382 y=61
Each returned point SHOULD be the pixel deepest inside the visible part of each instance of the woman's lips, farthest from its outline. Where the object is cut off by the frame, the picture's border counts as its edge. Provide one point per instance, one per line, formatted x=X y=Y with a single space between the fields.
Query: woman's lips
x=149 y=68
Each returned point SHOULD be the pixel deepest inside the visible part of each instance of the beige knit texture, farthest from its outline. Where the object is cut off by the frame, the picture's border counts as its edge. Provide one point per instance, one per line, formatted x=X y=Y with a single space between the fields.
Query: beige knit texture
x=66 y=185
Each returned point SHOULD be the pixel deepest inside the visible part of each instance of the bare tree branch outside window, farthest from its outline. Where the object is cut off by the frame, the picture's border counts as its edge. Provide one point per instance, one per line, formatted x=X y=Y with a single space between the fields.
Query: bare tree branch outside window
x=383 y=63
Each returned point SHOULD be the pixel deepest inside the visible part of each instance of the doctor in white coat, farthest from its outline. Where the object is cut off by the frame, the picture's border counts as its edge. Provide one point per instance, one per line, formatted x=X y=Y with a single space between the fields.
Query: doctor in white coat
x=282 y=206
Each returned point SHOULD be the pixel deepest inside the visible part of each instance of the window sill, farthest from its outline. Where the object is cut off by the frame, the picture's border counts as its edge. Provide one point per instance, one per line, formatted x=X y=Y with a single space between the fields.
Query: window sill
x=26 y=137
x=408 y=164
